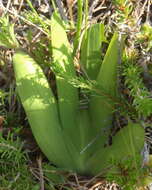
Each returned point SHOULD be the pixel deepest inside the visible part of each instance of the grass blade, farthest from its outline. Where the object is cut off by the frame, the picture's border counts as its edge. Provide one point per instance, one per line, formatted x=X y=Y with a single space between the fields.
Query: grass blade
x=79 y=26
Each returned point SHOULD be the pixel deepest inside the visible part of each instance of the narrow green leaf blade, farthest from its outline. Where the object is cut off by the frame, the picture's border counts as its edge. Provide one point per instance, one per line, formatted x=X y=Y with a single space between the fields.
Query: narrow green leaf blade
x=78 y=26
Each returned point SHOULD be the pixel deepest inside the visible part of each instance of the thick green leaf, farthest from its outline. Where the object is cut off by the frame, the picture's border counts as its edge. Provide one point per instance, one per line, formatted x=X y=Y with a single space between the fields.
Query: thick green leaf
x=68 y=100
x=128 y=142
x=86 y=134
x=41 y=109
x=91 y=50
x=102 y=105
x=63 y=62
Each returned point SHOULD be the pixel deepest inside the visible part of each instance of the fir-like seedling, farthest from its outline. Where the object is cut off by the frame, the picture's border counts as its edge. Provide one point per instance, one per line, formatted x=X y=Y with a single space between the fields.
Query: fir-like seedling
x=141 y=96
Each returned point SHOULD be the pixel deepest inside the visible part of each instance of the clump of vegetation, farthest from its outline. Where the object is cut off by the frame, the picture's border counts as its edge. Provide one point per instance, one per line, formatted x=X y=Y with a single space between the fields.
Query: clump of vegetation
x=81 y=69
x=142 y=97
x=13 y=161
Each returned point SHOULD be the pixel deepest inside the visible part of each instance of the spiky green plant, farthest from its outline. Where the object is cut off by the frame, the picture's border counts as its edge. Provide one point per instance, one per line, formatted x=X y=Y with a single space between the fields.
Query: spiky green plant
x=141 y=96
x=13 y=164
x=72 y=137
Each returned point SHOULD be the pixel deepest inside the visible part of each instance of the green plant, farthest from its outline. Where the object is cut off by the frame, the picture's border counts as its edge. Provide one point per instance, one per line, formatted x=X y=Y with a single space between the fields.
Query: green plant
x=91 y=48
x=79 y=25
x=70 y=137
x=126 y=175
x=13 y=164
x=141 y=96
x=7 y=38
x=3 y=96
x=145 y=37
x=124 y=10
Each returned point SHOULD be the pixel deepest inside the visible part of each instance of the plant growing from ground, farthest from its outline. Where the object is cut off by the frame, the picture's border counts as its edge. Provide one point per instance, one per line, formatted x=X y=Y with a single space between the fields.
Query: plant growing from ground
x=128 y=176
x=141 y=96
x=13 y=161
x=71 y=137
x=3 y=96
